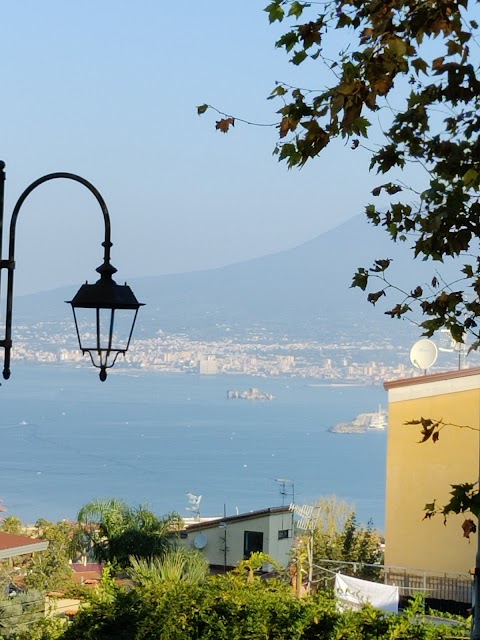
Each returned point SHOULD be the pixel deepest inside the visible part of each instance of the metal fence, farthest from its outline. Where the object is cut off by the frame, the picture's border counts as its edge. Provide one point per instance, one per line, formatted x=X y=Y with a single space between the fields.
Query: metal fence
x=456 y=587
x=447 y=586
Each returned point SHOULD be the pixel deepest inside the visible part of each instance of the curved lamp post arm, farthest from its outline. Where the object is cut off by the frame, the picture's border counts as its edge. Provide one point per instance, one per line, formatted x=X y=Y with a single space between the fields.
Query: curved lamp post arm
x=106 y=294
x=54 y=176
x=11 y=248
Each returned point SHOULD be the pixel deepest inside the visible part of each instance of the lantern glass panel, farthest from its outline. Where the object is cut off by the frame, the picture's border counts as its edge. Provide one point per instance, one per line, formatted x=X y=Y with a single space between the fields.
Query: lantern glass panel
x=104 y=329
x=91 y=339
x=122 y=328
x=86 y=321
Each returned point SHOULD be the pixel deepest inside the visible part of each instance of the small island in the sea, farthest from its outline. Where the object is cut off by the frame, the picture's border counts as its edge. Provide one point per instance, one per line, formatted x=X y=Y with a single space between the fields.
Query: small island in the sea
x=364 y=422
x=249 y=394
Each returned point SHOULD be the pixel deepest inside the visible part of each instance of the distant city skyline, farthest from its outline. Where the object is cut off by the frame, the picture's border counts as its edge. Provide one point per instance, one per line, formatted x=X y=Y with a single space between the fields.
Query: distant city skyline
x=109 y=91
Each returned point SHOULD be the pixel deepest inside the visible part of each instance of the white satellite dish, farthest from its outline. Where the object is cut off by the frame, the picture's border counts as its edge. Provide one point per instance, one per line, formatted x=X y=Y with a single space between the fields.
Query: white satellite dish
x=200 y=541
x=423 y=354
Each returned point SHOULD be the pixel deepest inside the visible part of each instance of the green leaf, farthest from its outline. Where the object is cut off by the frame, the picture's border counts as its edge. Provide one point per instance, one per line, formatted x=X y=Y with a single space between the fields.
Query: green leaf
x=296 y=9
x=288 y=40
x=359 y=126
x=468 y=270
x=275 y=11
x=372 y=214
x=419 y=65
x=278 y=91
x=299 y=57
x=290 y=153
x=457 y=332
x=380 y=266
x=202 y=108
x=360 y=279
x=344 y=20
x=391 y=188
x=397 y=46
x=471 y=179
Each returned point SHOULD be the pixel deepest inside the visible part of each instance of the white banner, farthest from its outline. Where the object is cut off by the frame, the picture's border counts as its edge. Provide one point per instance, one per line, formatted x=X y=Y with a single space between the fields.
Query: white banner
x=353 y=593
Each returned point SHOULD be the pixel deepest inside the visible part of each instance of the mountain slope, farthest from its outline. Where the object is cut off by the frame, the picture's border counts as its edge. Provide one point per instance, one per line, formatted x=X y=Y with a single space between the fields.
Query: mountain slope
x=292 y=288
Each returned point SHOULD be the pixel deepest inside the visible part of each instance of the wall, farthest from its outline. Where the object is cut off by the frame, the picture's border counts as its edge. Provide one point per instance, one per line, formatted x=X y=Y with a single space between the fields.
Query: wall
x=419 y=473
x=268 y=523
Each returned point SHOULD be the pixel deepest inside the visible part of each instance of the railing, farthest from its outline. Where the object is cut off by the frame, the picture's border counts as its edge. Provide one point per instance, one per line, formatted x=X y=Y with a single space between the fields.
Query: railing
x=447 y=586
x=437 y=585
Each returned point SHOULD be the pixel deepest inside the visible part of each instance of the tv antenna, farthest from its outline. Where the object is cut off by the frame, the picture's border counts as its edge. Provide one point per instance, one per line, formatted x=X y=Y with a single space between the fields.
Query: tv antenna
x=423 y=354
x=287 y=489
x=194 y=504
x=454 y=346
x=308 y=516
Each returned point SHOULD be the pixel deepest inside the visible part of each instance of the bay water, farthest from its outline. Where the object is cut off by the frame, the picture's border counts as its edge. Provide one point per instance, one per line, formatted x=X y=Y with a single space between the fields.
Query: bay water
x=150 y=438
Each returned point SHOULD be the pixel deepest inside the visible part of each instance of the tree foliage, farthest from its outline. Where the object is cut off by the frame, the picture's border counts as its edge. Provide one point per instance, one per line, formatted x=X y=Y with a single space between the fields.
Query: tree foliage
x=411 y=66
x=12 y=524
x=50 y=569
x=232 y=607
x=240 y=605
x=339 y=537
x=113 y=531
x=177 y=565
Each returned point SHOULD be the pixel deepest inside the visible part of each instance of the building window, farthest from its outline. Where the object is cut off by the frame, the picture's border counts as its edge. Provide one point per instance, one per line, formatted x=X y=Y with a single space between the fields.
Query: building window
x=284 y=533
x=252 y=542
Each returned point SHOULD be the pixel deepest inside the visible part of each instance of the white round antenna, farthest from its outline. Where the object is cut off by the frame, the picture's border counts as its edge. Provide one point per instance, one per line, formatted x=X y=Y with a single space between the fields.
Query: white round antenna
x=200 y=541
x=423 y=354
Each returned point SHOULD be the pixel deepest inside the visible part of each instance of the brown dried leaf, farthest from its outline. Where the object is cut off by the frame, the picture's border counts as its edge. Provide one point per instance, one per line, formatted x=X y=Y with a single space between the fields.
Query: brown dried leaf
x=287 y=125
x=224 y=124
x=468 y=527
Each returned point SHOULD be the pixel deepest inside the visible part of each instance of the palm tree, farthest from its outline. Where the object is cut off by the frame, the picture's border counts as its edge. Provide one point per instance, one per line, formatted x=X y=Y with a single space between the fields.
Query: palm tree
x=175 y=565
x=113 y=531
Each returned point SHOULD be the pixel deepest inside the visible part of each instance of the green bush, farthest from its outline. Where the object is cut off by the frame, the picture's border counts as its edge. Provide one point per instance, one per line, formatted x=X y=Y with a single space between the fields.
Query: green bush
x=21 y=611
x=232 y=608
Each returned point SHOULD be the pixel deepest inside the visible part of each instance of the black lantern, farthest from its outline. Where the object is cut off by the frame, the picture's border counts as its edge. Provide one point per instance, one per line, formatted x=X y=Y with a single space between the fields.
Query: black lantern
x=113 y=308
x=105 y=315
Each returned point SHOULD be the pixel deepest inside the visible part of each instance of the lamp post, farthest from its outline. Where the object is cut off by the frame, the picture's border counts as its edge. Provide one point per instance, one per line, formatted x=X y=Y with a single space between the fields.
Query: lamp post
x=105 y=300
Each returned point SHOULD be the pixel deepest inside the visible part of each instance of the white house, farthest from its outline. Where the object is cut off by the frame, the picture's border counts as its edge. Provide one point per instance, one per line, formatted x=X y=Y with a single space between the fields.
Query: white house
x=226 y=541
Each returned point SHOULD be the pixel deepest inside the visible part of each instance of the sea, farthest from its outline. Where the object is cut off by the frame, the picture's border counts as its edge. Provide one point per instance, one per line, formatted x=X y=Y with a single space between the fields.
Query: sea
x=151 y=438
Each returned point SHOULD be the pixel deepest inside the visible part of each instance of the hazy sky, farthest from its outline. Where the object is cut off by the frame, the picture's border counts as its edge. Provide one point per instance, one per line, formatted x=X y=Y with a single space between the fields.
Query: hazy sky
x=109 y=90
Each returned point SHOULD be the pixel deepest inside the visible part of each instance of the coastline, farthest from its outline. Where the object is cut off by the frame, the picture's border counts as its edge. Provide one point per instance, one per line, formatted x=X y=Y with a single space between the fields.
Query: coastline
x=363 y=423
x=343 y=384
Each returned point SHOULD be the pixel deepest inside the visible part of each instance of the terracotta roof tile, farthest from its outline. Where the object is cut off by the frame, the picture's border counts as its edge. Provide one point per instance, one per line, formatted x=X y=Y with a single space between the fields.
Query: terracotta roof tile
x=10 y=540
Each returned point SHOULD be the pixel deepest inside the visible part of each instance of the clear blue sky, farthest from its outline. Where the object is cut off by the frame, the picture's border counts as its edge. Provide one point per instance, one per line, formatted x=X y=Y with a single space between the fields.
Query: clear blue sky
x=109 y=90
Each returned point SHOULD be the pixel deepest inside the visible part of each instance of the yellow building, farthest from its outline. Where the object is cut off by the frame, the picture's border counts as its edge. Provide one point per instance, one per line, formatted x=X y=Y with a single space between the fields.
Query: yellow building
x=419 y=473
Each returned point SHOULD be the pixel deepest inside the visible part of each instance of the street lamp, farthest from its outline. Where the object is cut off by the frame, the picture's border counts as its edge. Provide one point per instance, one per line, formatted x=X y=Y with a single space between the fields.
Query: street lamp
x=110 y=305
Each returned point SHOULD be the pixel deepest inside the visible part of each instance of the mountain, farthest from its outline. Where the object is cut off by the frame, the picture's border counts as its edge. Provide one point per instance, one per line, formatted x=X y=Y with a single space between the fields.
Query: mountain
x=294 y=289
